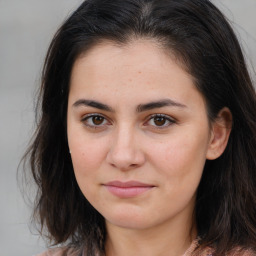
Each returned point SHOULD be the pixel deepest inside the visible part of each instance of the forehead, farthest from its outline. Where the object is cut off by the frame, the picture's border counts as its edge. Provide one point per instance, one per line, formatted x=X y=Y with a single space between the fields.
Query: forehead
x=139 y=55
x=141 y=50
x=138 y=69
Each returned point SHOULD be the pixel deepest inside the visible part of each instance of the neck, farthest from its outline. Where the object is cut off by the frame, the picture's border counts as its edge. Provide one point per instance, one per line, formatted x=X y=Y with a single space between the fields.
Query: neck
x=169 y=239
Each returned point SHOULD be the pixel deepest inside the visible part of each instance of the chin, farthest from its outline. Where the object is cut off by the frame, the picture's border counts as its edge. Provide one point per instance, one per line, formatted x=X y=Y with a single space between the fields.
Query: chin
x=126 y=218
x=130 y=223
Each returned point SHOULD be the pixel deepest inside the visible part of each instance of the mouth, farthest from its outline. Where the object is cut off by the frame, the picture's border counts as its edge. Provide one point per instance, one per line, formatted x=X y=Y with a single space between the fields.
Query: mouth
x=127 y=189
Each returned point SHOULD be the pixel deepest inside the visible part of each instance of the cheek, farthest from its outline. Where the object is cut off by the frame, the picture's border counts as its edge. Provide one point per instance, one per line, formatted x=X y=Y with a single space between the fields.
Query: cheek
x=86 y=156
x=181 y=157
x=87 y=159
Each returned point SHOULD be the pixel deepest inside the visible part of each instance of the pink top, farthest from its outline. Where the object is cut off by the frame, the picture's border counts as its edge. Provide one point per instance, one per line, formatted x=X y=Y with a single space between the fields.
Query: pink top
x=206 y=252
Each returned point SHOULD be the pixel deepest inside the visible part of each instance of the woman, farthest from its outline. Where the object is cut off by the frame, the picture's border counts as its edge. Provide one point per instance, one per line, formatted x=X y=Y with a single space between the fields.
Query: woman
x=147 y=139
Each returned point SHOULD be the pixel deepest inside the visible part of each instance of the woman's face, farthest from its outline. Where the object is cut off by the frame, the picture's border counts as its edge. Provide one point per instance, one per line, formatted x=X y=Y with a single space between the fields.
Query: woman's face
x=138 y=134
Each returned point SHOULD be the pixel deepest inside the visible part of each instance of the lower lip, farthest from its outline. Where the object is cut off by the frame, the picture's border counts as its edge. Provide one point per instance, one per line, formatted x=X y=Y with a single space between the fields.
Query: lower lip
x=127 y=192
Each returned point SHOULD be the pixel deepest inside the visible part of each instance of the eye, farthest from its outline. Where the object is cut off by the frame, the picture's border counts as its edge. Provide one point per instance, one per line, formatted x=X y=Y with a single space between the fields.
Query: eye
x=160 y=121
x=94 y=121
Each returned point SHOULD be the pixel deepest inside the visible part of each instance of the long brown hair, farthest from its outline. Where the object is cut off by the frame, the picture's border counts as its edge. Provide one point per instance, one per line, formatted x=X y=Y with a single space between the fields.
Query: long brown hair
x=201 y=38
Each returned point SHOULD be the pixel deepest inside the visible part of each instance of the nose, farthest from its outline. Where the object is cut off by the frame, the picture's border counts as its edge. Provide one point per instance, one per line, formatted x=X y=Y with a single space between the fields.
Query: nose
x=124 y=151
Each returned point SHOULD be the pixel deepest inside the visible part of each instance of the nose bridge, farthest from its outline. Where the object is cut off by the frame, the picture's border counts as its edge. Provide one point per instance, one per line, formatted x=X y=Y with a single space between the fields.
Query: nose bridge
x=124 y=151
x=124 y=136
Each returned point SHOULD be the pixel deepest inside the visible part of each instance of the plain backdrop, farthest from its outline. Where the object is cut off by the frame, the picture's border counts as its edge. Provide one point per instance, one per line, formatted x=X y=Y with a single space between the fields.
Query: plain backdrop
x=26 y=28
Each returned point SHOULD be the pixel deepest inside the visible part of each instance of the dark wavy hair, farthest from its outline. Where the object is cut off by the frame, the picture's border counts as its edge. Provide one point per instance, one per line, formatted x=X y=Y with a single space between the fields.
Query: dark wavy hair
x=203 y=41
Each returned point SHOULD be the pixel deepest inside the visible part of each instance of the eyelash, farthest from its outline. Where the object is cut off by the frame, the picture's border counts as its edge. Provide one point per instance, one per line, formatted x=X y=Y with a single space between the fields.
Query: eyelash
x=167 y=119
x=85 y=121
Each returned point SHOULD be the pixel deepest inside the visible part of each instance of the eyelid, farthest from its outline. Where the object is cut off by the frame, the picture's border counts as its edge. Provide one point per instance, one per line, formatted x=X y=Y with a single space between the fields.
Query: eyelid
x=87 y=116
x=167 y=117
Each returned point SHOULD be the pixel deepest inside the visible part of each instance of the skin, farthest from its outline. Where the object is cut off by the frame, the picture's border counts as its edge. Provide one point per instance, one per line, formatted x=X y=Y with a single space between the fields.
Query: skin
x=126 y=142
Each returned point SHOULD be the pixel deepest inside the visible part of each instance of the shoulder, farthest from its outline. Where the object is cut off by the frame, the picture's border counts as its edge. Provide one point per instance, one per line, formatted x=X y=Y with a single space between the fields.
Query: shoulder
x=195 y=250
x=59 y=252
x=52 y=252
x=242 y=252
x=234 y=252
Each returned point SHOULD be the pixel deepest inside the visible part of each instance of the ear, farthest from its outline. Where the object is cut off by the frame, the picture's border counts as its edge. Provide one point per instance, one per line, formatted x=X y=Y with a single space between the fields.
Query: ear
x=220 y=132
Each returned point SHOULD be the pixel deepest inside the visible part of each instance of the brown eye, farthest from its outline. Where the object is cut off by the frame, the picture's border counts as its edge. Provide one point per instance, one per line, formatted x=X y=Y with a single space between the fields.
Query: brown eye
x=159 y=120
x=97 y=120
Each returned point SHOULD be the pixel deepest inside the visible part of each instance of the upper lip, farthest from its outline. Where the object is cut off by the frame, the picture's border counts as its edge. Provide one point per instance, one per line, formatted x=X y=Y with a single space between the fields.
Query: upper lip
x=128 y=184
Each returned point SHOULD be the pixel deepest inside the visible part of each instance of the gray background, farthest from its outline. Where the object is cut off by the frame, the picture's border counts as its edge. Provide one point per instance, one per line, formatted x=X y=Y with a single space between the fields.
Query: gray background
x=26 y=28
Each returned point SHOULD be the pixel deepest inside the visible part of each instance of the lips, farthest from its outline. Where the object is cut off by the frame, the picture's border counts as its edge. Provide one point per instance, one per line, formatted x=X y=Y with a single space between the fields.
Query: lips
x=127 y=189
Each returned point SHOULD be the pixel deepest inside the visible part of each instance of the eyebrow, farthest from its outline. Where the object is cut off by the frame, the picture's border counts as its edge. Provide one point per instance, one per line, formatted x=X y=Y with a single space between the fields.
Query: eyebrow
x=140 y=108
x=94 y=104
x=160 y=104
